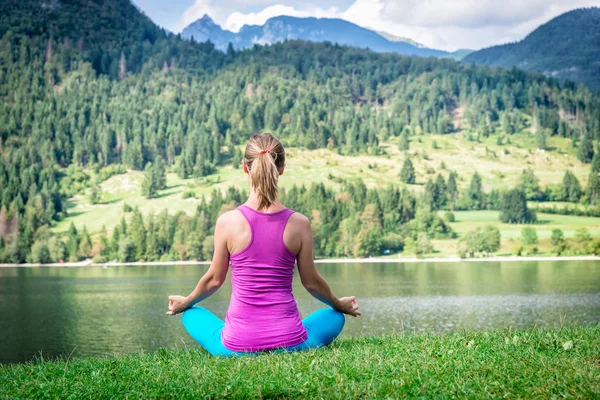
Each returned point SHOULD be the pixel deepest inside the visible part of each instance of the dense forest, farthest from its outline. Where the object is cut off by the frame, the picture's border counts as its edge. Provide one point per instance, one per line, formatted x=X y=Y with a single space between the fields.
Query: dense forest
x=93 y=84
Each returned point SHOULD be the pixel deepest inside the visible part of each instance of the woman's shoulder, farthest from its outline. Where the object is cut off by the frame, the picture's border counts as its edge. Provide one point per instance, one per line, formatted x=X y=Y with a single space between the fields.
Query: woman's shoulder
x=299 y=219
x=230 y=217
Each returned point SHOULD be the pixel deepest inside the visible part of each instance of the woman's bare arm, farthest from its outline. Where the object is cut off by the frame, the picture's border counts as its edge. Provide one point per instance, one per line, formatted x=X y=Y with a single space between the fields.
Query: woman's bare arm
x=212 y=280
x=312 y=280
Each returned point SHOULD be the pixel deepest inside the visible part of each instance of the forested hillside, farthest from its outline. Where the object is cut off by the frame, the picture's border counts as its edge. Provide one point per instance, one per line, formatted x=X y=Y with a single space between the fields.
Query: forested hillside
x=89 y=84
x=567 y=47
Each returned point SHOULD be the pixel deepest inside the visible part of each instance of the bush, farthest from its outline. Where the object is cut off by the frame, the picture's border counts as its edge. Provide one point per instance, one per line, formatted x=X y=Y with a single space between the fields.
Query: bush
x=517 y=249
x=593 y=247
x=479 y=240
x=108 y=171
x=559 y=244
x=127 y=208
x=40 y=253
x=188 y=195
x=96 y=194
x=100 y=259
x=420 y=246
x=450 y=216
x=529 y=236
x=392 y=242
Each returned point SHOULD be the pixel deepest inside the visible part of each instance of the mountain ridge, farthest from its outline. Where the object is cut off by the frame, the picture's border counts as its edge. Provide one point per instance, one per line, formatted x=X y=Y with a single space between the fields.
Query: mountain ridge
x=281 y=28
x=567 y=47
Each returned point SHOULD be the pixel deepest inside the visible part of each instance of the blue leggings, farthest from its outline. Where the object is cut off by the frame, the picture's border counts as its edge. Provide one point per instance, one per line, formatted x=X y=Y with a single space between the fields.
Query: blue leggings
x=322 y=327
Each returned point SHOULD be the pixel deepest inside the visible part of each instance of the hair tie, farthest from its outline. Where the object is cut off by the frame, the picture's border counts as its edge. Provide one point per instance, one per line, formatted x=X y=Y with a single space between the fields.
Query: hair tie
x=265 y=151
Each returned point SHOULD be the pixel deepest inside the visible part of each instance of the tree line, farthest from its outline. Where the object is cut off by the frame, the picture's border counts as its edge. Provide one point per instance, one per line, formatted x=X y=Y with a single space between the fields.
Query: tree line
x=352 y=222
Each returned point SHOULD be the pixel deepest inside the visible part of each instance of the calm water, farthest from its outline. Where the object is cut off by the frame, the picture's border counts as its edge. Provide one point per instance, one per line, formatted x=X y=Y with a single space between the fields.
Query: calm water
x=94 y=311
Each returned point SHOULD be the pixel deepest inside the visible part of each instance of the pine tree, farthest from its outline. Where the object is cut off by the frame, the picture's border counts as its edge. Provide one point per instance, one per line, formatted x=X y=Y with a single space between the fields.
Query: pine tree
x=452 y=189
x=72 y=243
x=530 y=184
x=123 y=227
x=513 y=208
x=85 y=244
x=407 y=174
x=475 y=195
x=596 y=162
x=429 y=195
x=114 y=243
x=571 y=188
x=540 y=138
x=149 y=189
x=404 y=143
x=159 y=173
x=593 y=188
x=585 y=152
x=138 y=234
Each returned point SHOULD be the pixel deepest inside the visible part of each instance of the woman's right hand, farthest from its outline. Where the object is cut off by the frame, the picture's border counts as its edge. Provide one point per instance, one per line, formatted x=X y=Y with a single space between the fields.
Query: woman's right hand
x=348 y=305
x=177 y=305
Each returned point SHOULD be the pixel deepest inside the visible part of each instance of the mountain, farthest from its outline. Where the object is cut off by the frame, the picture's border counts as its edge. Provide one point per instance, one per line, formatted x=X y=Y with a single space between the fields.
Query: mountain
x=567 y=48
x=394 y=38
x=205 y=29
x=279 y=29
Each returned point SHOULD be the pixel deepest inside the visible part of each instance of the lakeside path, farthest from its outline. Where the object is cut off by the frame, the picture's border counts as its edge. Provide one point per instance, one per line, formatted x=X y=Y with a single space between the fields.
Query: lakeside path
x=89 y=263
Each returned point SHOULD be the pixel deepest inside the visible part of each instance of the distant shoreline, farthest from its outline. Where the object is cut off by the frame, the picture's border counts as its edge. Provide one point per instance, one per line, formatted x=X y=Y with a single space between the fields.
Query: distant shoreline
x=89 y=263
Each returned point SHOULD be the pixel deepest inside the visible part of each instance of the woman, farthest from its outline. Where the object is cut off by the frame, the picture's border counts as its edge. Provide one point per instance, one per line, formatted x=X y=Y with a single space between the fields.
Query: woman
x=262 y=240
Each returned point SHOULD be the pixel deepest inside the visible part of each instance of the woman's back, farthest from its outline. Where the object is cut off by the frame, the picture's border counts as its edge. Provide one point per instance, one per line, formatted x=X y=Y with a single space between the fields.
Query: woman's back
x=262 y=248
x=263 y=313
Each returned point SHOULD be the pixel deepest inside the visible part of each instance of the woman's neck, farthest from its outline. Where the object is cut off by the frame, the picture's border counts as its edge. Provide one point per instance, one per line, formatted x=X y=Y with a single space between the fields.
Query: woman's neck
x=253 y=202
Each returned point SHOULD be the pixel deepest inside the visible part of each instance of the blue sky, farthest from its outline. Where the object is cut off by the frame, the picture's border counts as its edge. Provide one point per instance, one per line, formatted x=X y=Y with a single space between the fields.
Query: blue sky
x=443 y=24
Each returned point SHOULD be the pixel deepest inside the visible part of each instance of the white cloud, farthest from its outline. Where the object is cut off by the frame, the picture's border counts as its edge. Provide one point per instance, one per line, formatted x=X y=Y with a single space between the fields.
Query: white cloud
x=442 y=24
x=237 y=19
x=450 y=25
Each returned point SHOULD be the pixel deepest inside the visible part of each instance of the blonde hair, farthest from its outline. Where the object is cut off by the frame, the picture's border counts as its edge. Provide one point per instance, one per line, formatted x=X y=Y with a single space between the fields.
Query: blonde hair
x=264 y=157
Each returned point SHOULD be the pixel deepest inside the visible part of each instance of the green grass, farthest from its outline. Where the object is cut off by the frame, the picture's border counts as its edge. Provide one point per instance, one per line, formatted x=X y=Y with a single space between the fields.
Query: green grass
x=511 y=233
x=468 y=220
x=531 y=363
x=305 y=167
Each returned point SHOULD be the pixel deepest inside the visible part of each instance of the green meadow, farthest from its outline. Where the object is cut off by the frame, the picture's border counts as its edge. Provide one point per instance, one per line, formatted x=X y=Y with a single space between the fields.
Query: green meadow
x=511 y=233
x=499 y=166
x=533 y=363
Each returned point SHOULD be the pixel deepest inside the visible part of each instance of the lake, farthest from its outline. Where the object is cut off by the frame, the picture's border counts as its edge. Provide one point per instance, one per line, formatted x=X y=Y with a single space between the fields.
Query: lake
x=54 y=311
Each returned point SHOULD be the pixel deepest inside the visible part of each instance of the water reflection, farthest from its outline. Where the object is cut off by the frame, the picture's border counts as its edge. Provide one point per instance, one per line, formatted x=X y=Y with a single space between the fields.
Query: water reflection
x=94 y=311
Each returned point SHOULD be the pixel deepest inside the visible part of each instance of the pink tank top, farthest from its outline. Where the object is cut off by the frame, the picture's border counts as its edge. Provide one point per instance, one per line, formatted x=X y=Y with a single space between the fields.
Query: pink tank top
x=263 y=314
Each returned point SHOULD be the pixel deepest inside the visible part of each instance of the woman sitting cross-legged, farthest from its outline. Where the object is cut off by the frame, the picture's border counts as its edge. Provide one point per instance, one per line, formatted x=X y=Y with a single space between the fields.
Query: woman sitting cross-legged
x=262 y=240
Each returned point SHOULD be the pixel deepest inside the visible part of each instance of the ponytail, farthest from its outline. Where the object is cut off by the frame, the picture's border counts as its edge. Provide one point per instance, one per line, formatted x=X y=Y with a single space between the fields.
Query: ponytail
x=264 y=157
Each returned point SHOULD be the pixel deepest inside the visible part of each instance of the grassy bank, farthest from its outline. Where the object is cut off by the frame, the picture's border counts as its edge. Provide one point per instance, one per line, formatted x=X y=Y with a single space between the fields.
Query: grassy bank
x=522 y=364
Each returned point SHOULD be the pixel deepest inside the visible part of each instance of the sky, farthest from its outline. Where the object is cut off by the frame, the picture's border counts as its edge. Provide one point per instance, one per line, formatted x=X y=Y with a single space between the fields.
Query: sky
x=441 y=24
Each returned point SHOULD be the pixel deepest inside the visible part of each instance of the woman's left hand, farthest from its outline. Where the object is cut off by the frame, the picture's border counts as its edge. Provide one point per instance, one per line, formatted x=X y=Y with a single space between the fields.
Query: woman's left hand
x=178 y=304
